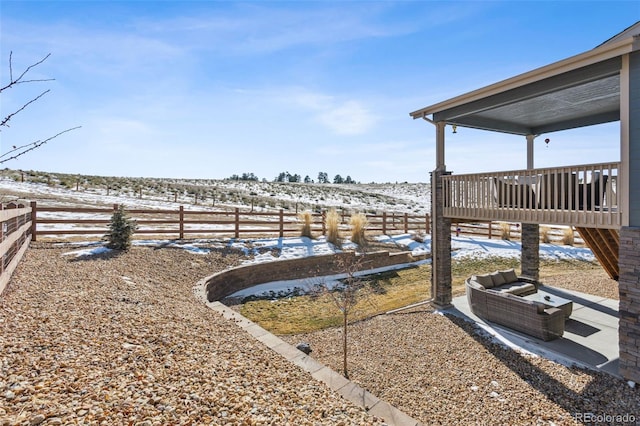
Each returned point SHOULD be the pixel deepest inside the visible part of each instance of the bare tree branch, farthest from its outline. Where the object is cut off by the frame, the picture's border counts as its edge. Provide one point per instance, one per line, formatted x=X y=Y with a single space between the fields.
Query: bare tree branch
x=8 y=117
x=19 y=80
x=19 y=151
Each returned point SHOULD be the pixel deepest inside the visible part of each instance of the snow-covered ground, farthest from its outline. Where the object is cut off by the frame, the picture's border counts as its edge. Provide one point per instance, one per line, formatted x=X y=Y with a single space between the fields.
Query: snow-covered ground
x=143 y=193
x=274 y=249
x=257 y=196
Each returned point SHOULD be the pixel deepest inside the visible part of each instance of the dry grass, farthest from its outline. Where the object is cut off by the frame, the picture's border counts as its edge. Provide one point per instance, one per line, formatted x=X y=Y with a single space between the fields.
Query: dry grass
x=393 y=289
x=332 y=223
x=307 y=219
x=505 y=230
x=302 y=314
x=567 y=236
x=358 y=223
x=545 y=234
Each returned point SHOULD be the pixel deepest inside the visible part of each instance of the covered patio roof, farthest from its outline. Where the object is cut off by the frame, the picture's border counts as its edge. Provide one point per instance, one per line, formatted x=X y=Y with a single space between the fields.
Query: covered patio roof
x=579 y=91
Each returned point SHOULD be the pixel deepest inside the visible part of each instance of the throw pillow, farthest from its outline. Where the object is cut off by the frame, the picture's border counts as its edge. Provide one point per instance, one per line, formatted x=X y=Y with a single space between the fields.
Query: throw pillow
x=484 y=280
x=509 y=276
x=497 y=278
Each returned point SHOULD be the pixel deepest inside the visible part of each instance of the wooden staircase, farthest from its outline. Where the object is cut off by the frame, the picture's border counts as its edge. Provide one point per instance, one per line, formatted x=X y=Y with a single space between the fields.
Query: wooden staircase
x=604 y=243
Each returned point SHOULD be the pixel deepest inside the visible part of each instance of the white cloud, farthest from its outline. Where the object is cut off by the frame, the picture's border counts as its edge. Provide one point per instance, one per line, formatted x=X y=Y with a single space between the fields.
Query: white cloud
x=348 y=118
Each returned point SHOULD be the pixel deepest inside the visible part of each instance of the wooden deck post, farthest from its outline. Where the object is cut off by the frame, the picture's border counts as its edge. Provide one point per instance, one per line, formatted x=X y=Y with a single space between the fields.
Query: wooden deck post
x=281 y=220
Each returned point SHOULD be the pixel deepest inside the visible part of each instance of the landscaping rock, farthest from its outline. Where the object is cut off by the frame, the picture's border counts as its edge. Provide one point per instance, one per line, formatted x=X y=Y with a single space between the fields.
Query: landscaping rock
x=122 y=340
x=304 y=347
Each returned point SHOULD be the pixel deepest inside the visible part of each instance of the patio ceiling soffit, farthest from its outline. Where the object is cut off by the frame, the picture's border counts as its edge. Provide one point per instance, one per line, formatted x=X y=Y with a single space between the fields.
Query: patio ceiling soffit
x=579 y=91
x=574 y=99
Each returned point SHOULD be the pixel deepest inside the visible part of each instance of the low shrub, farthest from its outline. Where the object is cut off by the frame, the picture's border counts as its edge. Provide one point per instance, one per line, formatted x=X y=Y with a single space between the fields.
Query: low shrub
x=121 y=229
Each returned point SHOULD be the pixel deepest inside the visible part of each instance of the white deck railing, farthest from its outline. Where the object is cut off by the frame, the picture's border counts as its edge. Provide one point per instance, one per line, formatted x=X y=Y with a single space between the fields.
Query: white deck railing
x=583 y=195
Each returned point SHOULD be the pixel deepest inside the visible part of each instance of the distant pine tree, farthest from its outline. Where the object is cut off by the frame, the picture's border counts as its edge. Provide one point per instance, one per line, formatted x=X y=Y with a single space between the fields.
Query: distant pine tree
x=323 y=177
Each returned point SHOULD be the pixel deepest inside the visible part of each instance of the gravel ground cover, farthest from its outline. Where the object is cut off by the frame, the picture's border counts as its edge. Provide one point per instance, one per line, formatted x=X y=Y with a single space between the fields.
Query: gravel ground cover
x=440 y=369
x=122 y=340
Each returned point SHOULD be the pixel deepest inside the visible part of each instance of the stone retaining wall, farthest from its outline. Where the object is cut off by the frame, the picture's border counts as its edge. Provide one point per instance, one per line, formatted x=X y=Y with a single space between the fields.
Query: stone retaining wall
x=225 y=283
x=629 y=287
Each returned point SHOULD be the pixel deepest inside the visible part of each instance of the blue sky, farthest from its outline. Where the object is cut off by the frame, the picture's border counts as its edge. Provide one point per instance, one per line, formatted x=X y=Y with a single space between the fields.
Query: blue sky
x=209 y=89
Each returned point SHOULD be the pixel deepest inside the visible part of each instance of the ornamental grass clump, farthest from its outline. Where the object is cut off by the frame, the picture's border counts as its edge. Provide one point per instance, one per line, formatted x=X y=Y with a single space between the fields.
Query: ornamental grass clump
x=332 y=223
x=505 y=231
x=358 y=224
x=121 y=229
x=545 y=234
x=307 y=219
x=567 y=236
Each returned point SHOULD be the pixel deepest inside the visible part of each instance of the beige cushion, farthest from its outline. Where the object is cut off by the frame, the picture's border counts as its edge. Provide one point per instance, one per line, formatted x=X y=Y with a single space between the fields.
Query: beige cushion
x=518 y=288
x=509 y=276
x=475 y=285
x=497 y=279
x=484 y=280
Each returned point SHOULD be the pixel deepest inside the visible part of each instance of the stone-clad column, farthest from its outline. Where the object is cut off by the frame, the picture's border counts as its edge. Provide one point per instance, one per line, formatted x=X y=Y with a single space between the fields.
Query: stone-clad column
x=441 y=293
x=530 y=252
x=629 y=288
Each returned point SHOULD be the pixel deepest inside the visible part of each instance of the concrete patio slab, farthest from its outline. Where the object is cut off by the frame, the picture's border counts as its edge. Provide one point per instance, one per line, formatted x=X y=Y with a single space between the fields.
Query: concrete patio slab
x=590 y=338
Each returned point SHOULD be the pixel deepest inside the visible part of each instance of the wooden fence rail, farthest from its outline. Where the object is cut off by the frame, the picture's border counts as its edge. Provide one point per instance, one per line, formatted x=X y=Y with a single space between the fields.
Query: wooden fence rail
x=51 y=221
x=87 y=221
x=15 y=235
x=20 y=224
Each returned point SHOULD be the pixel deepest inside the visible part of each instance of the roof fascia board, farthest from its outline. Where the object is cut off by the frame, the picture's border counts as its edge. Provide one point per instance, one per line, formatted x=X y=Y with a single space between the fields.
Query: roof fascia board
x=484 y=123
x=587 y=58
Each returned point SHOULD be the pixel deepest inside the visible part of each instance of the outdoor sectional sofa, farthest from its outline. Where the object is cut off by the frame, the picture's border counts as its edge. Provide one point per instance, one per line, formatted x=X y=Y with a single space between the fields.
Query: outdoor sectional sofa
x=498 y=297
